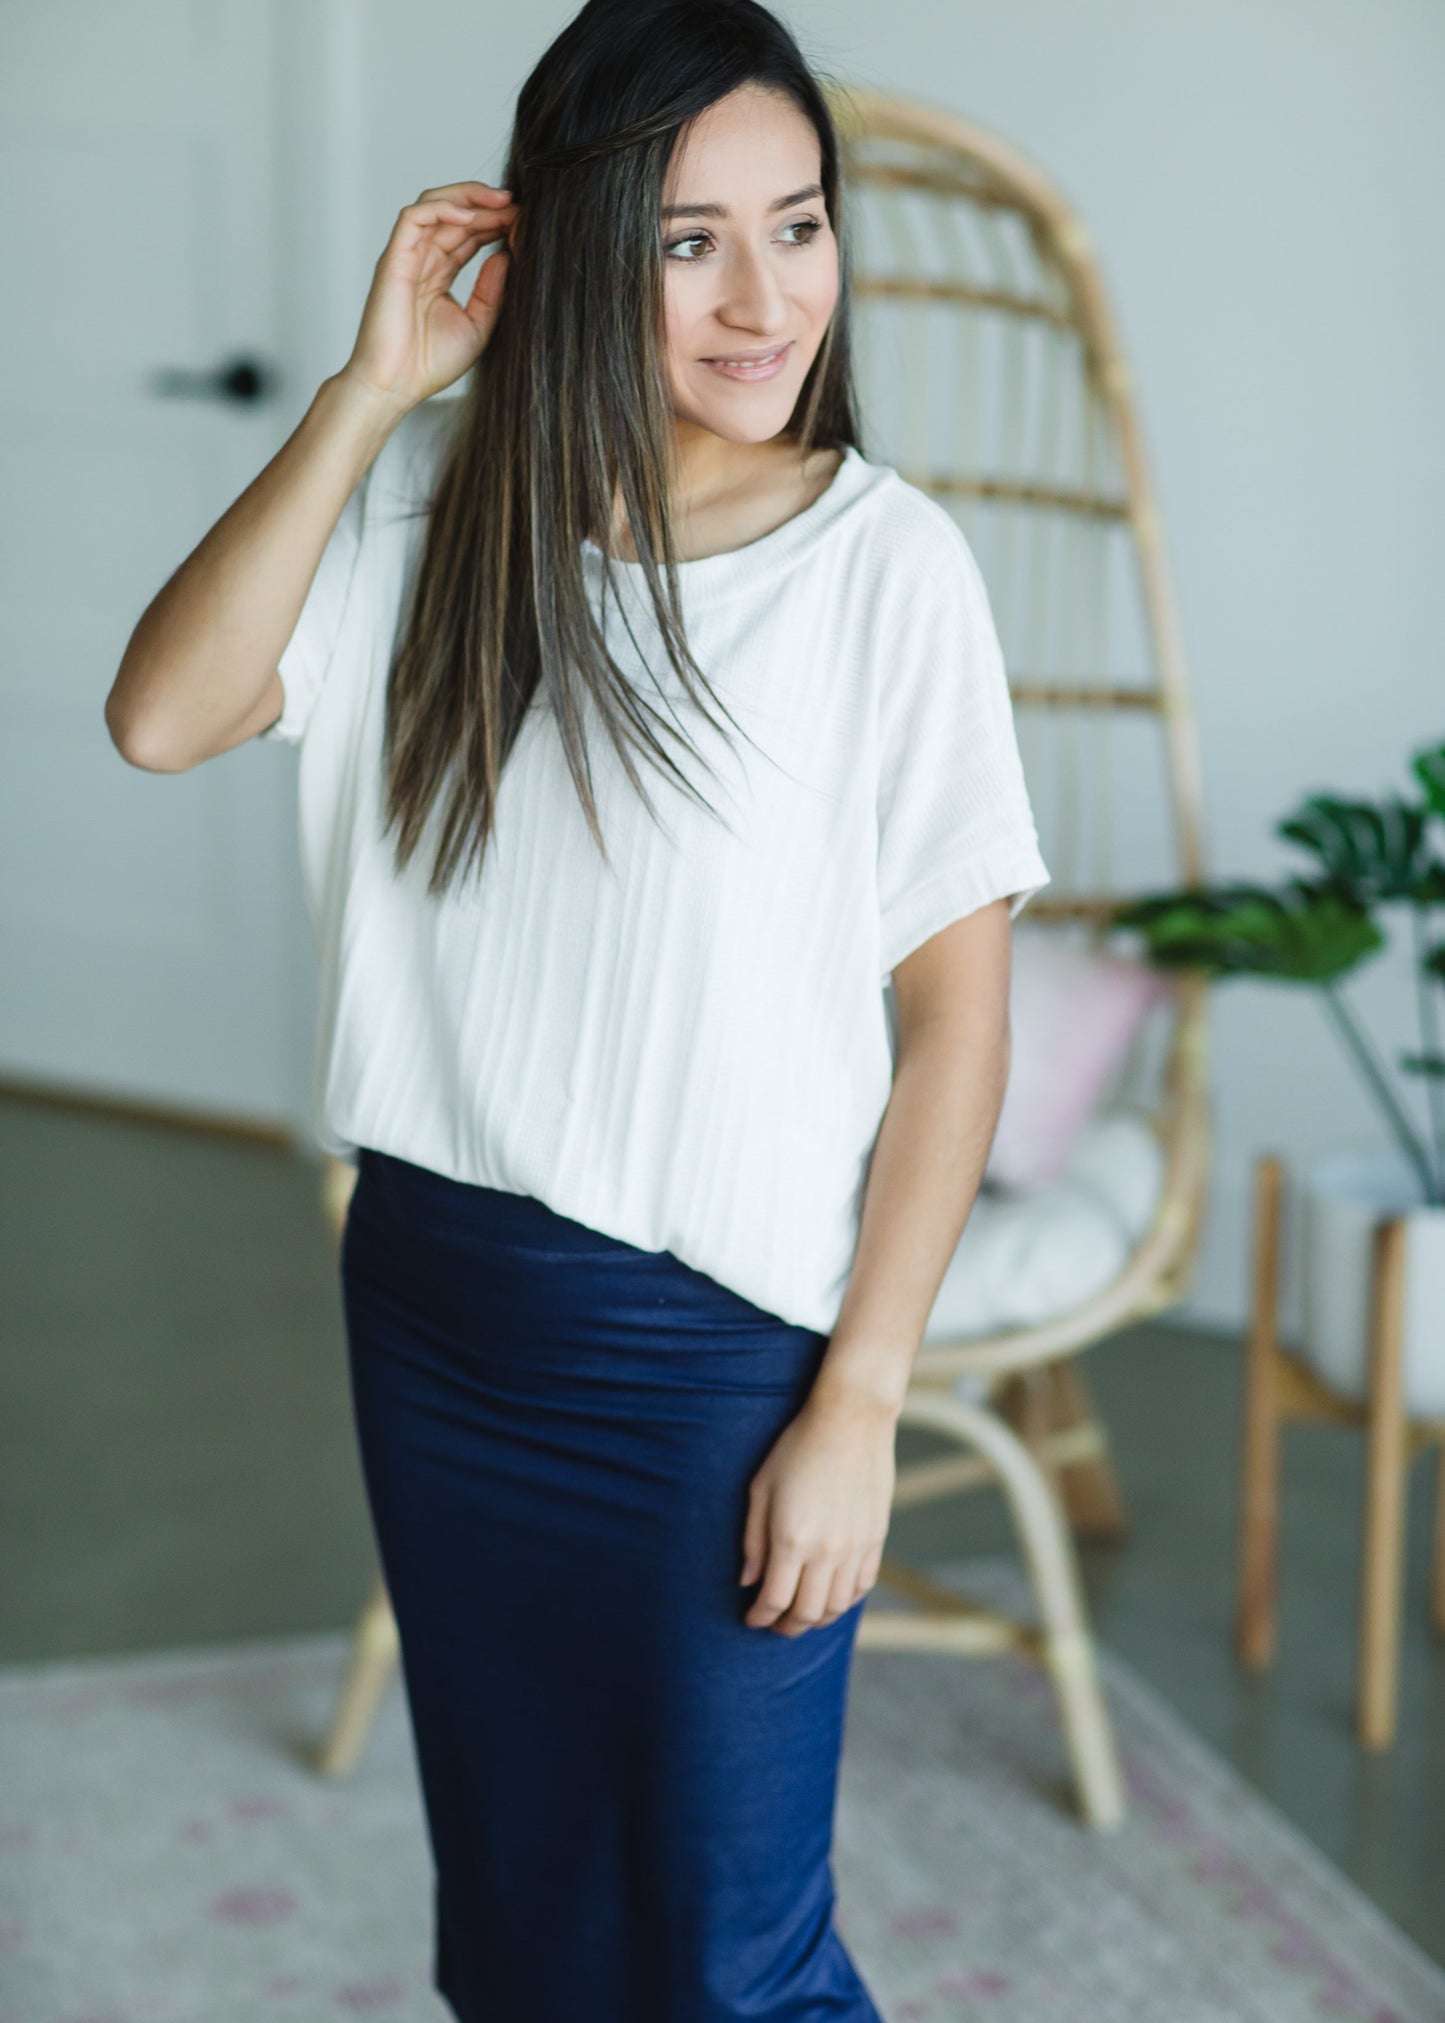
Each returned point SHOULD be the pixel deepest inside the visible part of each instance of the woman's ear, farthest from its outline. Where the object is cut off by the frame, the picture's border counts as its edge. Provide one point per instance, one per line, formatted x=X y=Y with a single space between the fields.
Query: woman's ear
x=514 y=231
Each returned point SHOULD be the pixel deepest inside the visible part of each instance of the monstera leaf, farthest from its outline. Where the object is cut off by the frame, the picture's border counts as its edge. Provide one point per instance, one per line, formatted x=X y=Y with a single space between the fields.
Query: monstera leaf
x=1307 y=933
x=1369 y=850
x=1315 y=930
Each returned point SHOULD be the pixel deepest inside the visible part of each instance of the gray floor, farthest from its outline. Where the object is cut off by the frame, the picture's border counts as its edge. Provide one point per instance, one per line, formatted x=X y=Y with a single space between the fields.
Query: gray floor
x=177 y=1467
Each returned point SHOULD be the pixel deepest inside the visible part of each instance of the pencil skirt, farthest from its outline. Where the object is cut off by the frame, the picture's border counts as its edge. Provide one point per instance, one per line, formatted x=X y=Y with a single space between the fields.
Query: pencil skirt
x=629 y=1792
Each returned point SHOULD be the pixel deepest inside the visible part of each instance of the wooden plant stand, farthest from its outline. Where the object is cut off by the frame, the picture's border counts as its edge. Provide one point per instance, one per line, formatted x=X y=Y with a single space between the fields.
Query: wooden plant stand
x=1280 y=1387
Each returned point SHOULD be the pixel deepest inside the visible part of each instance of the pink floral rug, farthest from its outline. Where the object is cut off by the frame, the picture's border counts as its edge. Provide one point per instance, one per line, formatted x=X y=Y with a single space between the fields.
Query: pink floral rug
x=168 y=1855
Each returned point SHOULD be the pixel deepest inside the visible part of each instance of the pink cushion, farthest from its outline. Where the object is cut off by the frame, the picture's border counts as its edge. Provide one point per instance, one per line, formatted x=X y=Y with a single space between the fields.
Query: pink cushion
x=1074 y=1011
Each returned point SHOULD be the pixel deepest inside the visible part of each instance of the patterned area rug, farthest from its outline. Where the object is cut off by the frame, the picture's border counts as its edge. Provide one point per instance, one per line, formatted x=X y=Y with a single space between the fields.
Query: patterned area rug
x=167 y=1855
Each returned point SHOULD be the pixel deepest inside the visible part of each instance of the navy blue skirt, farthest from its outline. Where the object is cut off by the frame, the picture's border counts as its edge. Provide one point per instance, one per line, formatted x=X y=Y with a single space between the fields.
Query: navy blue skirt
x=629 y=1792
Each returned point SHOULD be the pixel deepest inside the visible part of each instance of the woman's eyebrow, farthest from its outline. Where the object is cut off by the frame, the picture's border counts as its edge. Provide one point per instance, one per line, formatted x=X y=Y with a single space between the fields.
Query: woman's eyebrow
x=721 y=210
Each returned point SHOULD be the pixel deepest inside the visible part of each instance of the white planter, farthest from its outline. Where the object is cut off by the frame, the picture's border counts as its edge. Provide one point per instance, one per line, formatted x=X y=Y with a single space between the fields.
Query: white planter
x=1344 y=1199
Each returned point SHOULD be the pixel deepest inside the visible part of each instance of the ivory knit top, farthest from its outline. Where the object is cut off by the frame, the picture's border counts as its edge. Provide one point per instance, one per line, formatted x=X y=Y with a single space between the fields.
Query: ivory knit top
x=688 y=1048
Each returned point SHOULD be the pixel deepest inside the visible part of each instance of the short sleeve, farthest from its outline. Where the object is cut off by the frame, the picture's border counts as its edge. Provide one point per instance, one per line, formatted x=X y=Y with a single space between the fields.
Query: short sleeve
x=307 y=654
x=955 y=825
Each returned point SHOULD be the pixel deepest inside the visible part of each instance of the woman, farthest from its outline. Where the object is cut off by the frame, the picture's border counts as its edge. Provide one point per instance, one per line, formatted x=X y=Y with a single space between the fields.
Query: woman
x=648 y=1220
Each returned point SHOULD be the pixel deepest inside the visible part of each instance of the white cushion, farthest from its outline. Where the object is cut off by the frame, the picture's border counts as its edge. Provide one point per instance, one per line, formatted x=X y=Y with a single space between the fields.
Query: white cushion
x=1028 y=1255
x=1075 y=1010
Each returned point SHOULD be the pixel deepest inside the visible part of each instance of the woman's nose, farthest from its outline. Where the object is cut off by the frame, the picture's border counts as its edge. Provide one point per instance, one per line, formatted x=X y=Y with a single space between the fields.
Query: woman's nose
x=754 y=295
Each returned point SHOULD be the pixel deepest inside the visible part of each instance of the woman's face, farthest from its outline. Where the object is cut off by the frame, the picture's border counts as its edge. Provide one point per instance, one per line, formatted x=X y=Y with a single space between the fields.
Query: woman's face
x=750 y=264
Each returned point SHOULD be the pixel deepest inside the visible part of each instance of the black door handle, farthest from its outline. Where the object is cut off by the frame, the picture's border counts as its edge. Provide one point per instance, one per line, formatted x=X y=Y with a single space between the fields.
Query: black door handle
x=240 y=381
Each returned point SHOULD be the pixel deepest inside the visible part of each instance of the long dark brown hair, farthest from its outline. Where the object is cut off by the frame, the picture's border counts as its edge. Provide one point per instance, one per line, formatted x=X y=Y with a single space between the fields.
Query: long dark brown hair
x=568 y=402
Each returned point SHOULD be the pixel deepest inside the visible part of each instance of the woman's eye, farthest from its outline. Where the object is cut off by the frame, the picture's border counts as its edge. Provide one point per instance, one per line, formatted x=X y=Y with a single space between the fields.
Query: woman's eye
x=691 y=238
x=674 y=247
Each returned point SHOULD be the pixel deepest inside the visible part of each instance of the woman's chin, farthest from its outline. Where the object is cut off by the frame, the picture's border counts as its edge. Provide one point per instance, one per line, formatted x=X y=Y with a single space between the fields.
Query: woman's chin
x=755 y=419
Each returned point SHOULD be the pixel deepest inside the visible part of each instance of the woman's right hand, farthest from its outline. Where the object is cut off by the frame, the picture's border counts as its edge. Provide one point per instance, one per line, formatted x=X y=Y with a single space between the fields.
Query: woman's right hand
x=415 y=337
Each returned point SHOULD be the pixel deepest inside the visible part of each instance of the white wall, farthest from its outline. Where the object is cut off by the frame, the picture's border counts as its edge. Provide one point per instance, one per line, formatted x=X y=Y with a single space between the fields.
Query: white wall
x=1262 y=179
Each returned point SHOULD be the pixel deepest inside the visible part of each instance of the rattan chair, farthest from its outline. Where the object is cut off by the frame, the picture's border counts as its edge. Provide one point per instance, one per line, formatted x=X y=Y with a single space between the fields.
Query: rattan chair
x=990 y=374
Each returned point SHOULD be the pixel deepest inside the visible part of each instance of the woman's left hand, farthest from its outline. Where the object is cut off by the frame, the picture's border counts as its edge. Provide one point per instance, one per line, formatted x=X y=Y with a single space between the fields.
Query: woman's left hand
x=818 y=1512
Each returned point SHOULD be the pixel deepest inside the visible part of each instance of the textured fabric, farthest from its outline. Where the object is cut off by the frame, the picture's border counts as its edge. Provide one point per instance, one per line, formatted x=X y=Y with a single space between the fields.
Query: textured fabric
x=688 y=1048
x=630 y=1791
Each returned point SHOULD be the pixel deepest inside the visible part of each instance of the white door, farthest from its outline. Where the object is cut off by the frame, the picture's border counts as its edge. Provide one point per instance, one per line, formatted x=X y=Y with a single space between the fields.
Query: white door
x=154 y=946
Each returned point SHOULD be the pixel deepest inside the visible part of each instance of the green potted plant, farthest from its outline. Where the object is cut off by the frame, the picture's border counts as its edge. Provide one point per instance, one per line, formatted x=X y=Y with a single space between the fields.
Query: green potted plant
x=1315 y=929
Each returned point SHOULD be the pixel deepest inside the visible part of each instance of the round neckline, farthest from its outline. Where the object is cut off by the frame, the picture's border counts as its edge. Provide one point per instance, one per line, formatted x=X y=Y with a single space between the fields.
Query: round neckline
x=728 y=564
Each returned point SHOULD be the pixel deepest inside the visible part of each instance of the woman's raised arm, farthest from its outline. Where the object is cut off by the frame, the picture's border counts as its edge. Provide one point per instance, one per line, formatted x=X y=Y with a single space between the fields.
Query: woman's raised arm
x=199 y=673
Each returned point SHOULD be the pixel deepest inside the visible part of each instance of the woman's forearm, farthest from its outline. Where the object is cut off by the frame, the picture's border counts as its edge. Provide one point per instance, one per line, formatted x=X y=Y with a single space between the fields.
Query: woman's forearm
x=205 y=648
x=928 y=1161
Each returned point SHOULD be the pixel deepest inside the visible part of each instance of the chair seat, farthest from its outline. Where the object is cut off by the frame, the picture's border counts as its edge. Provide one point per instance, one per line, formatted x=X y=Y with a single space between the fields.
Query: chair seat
x=1030 y=1254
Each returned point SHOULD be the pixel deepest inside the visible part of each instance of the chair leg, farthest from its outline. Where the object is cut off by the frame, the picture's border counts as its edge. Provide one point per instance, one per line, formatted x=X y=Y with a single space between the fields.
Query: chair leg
x=1260 y=1433
x=374 y=1643
x=374 y=1651
x=1386 y=1474
x=1052 y=1398
x=1025 y=1403
x=1049 y=1553
x=1090 y=1489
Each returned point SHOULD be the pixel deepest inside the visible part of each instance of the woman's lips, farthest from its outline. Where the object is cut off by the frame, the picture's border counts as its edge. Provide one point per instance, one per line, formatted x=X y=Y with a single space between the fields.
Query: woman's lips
x=763 y=368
